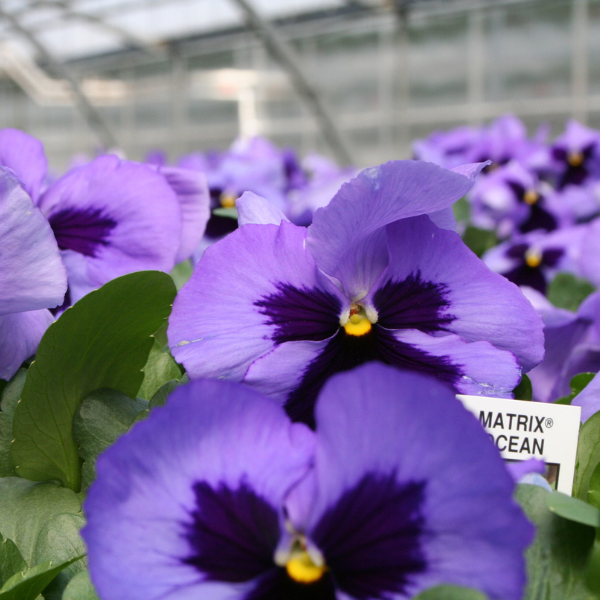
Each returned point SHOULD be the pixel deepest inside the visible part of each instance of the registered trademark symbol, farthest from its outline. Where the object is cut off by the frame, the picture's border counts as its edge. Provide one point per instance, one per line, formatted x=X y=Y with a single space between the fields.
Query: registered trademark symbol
x=549 y=423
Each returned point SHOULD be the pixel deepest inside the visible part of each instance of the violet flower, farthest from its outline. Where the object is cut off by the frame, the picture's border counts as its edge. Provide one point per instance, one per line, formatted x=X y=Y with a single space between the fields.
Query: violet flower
x=282 y=307
x=32 y=276
x=218 y=496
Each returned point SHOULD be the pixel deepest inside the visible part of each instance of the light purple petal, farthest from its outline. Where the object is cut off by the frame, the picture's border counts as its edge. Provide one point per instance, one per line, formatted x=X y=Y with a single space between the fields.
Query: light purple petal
x=471 y=170
x=141 y=504
x=138 y=211
x=20 y=334
x=379 y=420
x=24 y=154
x=32 y=275
x=215 y=329
x=255 y=209
x=485 y=306
x=589 y=399
x=363 y=206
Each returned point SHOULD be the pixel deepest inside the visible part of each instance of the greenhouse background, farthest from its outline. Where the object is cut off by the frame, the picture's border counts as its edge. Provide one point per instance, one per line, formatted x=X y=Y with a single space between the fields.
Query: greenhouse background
x=185 y=75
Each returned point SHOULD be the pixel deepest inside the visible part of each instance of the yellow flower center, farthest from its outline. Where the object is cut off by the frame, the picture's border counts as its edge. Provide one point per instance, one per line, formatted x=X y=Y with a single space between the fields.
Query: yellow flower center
x=358 y=323
x=575 y=159
x=533 y=258
x=301 y=568
x=531 y=197
x=227 y=200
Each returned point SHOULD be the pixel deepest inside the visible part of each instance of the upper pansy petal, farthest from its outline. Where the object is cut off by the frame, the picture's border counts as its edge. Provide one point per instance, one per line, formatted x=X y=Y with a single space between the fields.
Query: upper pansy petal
x=191 y=189
x=246 y=295
x=253 y=208
x=20 y=335
x=376 y=197
x=193 y=495
x=480 y=304
x=32 y=275
x=24 y=154
x=589 y=399
x=436 y=485
x=122 y=216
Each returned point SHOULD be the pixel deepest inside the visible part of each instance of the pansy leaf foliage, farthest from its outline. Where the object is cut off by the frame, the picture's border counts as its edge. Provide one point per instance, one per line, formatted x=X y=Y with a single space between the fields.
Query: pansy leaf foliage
x=577 y=383
x=588 y=456
x=102 y=341
x=450 y=592
x=569 y=291
x=573 y=509
x=80 y=588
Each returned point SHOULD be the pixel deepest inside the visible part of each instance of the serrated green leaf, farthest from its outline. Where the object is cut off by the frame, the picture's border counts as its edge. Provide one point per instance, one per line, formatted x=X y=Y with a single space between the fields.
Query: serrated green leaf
x=588 y=456
x=181 y=273
x=524 y=390
x=557 y=559
x=27 y=506
x=11 y=560
x=568 y=291
x=12 y=393
x=102 y=418
x=28 y=585
x=577 y=384
x=102 y=341
x=59 y=541
x=450 y=592
x=479 y=240
x=573 y=509
x=163 y=392
x=160 y=368
x=80 y=588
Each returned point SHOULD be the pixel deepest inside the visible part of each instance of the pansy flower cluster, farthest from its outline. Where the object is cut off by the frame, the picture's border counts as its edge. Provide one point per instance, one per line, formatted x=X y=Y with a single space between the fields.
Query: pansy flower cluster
x=235 y=378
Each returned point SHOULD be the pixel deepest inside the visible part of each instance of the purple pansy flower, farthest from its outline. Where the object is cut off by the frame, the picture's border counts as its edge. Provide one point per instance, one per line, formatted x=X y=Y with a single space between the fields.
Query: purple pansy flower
x=589 y=399
x=32 y=276
x=218 y=496
x=282 y=307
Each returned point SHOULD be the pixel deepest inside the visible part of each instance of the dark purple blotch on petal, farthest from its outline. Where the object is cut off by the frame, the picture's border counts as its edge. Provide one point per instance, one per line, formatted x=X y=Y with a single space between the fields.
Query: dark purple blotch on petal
x=372 y=537
x=573 y=175
x=300 y=314
x=523 y=274
x=233 y=533
x=539 y=217
x=413 y=304
x=277 y=585
x=82 y=230
x=217 y=226
x=344 y=352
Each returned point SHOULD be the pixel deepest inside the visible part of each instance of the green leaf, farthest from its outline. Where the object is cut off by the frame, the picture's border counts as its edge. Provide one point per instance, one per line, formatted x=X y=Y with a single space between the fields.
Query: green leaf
x=592 y=572
x=80 y=588
x=573 y=509
x=568 y=291
x=26 y=507
x=160 y=368
x=578 y=383
x=102 y=418
x=588 y=456
x=102 y=341
x=450 y=592
x=593 y=495
x=7 y=468
x=163 y=392
x=12 y=393
x=479 y=240
x=556 y=561
x=231 y=213
x=59 y=541
x=28 y=585
x=11 y=560
x=523 y=391
x=462 y=209
x=181 y=273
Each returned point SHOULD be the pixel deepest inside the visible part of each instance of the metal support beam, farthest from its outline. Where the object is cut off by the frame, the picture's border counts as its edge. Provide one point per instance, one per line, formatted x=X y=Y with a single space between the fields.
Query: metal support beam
x=286 y=57
x=88 y=110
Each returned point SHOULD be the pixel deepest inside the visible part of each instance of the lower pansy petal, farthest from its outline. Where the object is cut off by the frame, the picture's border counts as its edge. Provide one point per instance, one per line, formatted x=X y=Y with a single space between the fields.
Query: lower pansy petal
x=197 y=511
x=402 y=470
x=250 y=292
x=20 y=335
x=481 y=305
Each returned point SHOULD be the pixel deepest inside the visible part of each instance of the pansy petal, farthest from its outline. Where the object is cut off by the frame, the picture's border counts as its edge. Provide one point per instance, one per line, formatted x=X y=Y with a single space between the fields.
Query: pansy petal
x=122 y=216
x=197 y=511
x=191 y=189
x=589 y=399
x=20 y=335
x=246 y=293
x=437 y=479
x=24 y=154
x=480 y=304
x=32 y=275
x=253 y=208
x=376 y=197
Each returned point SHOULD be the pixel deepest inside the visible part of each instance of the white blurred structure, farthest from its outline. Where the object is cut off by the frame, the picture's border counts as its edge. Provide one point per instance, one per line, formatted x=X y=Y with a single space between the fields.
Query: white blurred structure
x=184 y=75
